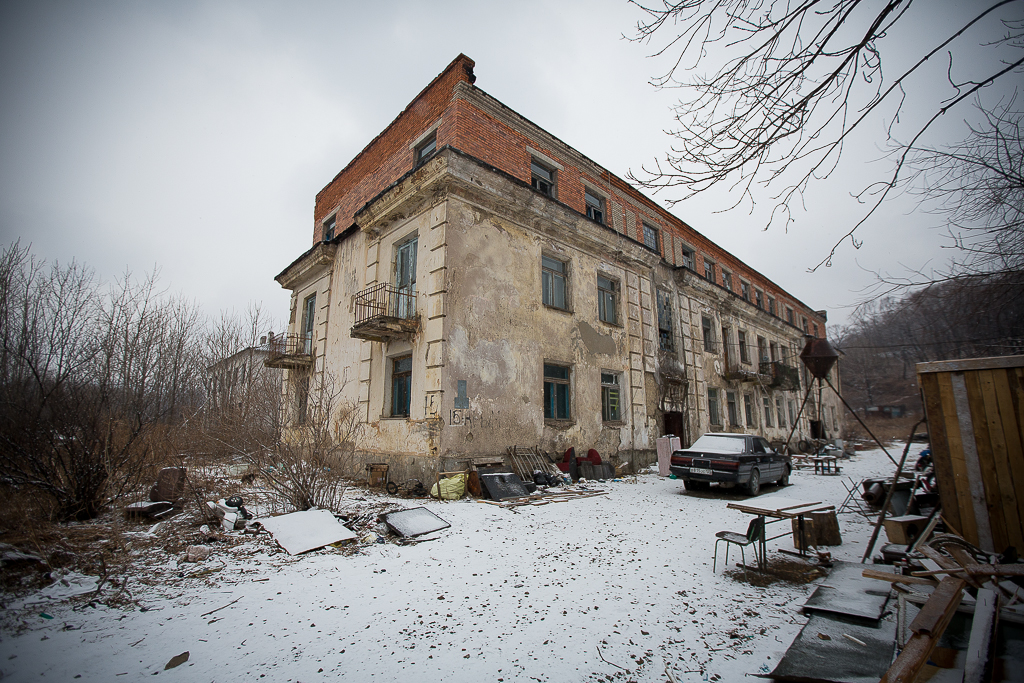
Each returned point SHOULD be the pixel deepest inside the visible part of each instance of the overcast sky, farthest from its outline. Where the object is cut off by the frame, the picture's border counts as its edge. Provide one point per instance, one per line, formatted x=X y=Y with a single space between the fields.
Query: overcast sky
x=194 y=136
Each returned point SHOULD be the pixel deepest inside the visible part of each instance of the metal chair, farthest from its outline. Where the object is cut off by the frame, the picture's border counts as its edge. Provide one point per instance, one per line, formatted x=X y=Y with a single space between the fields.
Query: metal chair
x=755 y=533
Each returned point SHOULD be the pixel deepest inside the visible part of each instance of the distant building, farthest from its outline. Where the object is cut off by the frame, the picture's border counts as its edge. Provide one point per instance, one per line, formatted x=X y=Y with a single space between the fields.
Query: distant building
x=233 y=383
x=476 y=283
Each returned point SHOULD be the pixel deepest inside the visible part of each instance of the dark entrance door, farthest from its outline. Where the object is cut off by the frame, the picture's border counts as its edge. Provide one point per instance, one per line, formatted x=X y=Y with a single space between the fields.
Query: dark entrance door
x=674 y=425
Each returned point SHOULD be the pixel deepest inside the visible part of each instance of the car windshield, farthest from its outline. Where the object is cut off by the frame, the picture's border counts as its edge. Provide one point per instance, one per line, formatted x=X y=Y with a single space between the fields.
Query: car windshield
x=712 y=442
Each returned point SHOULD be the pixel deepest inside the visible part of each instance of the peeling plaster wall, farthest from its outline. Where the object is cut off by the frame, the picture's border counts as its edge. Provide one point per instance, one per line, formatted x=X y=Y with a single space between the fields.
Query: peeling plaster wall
x=500 y=334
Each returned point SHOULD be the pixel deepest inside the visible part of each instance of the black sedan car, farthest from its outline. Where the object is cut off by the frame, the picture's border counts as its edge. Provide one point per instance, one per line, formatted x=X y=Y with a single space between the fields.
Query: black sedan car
x=731 y=460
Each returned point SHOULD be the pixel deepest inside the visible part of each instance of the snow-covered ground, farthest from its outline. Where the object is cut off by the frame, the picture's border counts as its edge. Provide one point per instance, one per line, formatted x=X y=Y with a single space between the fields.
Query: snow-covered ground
x=613 y=587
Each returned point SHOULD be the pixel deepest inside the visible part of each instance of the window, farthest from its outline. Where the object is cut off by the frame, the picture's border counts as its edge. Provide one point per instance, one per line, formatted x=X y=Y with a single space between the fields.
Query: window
x=405 y=279
x=610 y=397
x=759 y=299
x=780 y=410
x=709 y=335
x=606 y=296
x=792 y=412
x=762 y=350
x=401 y=384
x=814 y=326
x=789 y=315
x=426 y=149
x=727 y=279
x=556 y=392
x=329 y=226
x=835 y=419
x=595 y=206
x=745 y=290
x=308 y=317
x=302 y=399
x=651 y=237
x=773 y=352
x=767 y=412
x=771 y=305
x=542 y=178
x=804 y=324
x=665 y=321
x=688 y=258
x=713 y=416
x=748 y=409
x=709 y=270
x=741 y=337
x=734 y=414
x=553 y=282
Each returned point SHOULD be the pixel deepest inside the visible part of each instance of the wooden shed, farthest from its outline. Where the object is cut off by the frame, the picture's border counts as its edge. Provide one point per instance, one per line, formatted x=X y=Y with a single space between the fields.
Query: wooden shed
x=975 y=411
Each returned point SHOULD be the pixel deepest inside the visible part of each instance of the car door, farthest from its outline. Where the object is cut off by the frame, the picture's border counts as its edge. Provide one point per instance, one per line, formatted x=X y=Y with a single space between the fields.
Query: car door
x=777 y=466
x=761 y=458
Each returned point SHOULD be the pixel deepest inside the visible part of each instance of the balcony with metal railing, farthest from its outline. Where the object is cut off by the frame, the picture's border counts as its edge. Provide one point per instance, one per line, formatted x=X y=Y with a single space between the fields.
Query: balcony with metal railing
x=781 y=376
x=289 y=351
x=384 y=313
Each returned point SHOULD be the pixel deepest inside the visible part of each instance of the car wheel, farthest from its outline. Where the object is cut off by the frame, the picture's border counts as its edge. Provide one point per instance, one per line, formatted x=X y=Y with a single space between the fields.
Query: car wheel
x=784 y=481
x=754 y=485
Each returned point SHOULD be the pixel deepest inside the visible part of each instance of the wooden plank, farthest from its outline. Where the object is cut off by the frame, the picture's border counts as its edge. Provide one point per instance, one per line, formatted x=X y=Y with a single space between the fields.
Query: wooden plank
x=937 y=611
x=898 y=578
x=958 y=483
x=974 y=482
x=1008 y=397
x=971 y=364
x=1006 y=497
x=980 y=647
x=986 y=461
x=978 y=570
x=937 y=434
x=934 y=615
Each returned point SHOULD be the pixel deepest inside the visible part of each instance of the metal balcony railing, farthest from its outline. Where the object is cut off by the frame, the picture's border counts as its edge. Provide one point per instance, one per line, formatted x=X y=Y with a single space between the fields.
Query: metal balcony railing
x=781 y=376
x=289 y=351
x=384 y=312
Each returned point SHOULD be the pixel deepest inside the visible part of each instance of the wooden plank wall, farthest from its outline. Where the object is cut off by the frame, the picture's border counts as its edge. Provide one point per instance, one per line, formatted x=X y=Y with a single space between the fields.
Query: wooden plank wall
x=976 y=424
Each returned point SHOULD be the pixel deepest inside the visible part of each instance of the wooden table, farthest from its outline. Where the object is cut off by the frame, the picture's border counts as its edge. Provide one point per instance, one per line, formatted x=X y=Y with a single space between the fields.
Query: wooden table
x=825 y=464
x=780 y=509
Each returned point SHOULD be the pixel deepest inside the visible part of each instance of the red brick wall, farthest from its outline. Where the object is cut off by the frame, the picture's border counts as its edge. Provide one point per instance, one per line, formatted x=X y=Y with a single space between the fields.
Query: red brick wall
x=494 y=142
x=388 y=156
x=473 y=131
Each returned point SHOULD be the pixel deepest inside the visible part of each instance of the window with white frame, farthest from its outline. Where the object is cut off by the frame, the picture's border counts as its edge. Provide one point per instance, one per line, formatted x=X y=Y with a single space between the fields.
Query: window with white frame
x=611 y=397
x=595 y=205
x=553 y=282
x=329 y=228
x=426 y=149
x=542 y=178
x=726 y=279
x=607 y=297
x=689 y=258
x=709 y=270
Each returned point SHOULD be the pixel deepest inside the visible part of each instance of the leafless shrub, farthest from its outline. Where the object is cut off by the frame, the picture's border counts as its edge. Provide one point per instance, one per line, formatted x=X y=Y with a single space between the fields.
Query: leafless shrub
x=85 y=376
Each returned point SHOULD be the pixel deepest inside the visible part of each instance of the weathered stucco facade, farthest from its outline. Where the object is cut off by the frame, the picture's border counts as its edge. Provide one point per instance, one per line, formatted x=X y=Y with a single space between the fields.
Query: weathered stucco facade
x=499 y=288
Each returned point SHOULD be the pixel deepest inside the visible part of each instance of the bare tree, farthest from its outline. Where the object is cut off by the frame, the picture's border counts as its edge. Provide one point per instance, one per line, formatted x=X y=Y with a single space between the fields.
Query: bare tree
x=965 y=317
x=775 y=90
x=86 y=374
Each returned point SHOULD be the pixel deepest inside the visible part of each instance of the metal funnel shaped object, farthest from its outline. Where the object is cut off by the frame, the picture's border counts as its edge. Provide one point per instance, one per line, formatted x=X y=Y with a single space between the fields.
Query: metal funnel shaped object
x=819 y=357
